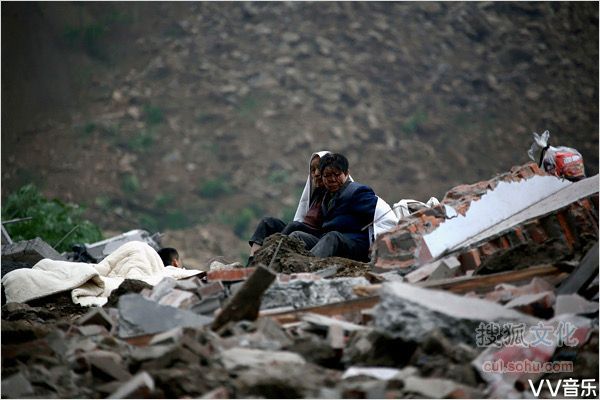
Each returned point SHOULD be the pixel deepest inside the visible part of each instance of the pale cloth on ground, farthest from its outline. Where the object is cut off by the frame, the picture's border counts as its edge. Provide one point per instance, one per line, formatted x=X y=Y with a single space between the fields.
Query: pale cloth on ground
x=91 y=284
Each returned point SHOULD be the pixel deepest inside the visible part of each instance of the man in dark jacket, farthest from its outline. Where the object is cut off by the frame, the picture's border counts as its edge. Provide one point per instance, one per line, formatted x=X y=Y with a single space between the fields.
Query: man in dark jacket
x=347 y=208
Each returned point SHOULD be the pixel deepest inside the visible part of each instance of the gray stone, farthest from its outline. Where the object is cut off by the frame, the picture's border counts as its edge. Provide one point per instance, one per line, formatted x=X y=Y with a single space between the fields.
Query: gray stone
x=140 y=316
x=16 y=386
x=206 y=306
x=162 y=288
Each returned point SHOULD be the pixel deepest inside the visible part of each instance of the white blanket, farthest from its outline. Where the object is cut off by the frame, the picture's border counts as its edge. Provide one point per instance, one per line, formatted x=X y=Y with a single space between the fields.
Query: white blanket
x=90 y=284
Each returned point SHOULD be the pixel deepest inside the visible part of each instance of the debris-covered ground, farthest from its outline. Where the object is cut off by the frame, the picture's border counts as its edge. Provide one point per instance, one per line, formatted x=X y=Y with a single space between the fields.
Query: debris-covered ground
x=521 y=293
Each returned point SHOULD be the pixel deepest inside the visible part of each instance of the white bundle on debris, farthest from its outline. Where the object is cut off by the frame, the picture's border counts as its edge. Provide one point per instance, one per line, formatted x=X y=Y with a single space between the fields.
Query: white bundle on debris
x=90 y=284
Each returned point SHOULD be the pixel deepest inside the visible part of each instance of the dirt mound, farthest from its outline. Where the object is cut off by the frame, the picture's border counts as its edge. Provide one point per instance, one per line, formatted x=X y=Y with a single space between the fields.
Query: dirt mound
x=289 y=256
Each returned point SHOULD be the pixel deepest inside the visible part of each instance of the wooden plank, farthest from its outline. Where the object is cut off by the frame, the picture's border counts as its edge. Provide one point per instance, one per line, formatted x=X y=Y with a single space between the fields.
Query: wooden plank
x=482 y=283
x=245 y=304
x=581 y=277
x=341 y=307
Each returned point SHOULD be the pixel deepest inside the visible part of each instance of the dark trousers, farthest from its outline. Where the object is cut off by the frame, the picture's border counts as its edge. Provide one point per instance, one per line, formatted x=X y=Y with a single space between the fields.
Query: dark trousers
x=333 y=244
x=269 y=225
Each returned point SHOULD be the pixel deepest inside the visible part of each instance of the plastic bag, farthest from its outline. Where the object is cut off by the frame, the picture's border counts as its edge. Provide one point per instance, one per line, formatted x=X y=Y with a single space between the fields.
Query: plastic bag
x=564 y=162
x=406 y=207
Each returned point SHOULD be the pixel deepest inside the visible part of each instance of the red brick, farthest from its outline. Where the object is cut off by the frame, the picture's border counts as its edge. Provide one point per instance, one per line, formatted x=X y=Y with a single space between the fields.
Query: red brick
x=564 y=225
x=470 y=260
x=535 y=231
x=229 y=275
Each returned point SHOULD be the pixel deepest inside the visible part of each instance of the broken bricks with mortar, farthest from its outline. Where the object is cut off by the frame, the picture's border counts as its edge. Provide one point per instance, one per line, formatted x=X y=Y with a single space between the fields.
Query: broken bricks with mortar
x=404 y=325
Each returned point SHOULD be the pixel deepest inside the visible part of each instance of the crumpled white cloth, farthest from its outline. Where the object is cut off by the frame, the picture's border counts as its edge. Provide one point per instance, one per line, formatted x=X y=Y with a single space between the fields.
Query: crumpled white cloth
x=90 y=284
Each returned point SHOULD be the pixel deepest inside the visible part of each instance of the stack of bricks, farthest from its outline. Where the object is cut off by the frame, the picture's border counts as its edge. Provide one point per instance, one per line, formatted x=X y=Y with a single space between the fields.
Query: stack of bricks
x=402 y=248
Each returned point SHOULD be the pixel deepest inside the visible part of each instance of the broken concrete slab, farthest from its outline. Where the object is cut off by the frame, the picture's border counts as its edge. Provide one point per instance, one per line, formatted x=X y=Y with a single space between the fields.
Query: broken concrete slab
x=240 y=357
x=139 y=316
x=245 y=304
x=574 y=304
x=301 y=294
x=30 y=251
x=409 y=312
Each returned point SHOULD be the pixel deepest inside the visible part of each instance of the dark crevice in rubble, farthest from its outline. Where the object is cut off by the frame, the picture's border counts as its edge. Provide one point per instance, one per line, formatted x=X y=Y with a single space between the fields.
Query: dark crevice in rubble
x=128 y=286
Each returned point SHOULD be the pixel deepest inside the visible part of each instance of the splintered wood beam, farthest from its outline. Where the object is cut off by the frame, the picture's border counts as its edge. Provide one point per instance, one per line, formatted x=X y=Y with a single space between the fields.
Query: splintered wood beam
x=245 y=304
x=483 y=283
x=342 y=307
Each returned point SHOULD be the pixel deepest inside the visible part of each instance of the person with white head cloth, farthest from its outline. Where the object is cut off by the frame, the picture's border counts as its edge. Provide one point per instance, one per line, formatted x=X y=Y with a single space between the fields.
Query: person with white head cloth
x=307 y=217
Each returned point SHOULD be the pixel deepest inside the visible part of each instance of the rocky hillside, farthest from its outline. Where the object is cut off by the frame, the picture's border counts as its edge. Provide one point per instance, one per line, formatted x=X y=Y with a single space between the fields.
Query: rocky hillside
x=197 y=118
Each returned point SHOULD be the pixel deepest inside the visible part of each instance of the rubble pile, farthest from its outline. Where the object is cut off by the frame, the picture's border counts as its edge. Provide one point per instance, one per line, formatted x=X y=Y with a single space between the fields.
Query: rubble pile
x=291 y=326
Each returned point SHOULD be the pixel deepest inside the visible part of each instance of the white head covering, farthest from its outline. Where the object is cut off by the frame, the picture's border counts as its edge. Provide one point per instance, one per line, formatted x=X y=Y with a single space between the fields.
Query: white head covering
x=304 y=202
x=384 y=218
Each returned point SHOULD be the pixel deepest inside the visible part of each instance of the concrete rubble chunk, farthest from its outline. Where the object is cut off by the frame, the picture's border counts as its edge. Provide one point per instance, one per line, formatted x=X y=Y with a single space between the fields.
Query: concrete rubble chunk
x=162 y=288
x=433 y=388
x=108 y=366
x=141 y=354
x=240 y=357
x=140 y=316
x=190 y=284
x=96 y=316
x=16 y=386
x=326 y=322
x=301 y=294
x=92 y=330
x=447 y=268
x=574 y=304
x=171 y=336
x=26 y=254
x=211 y=289
x=179 y=299
x=410 y=312
x=140 y=386
x=380 y=372
x=206 y=306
